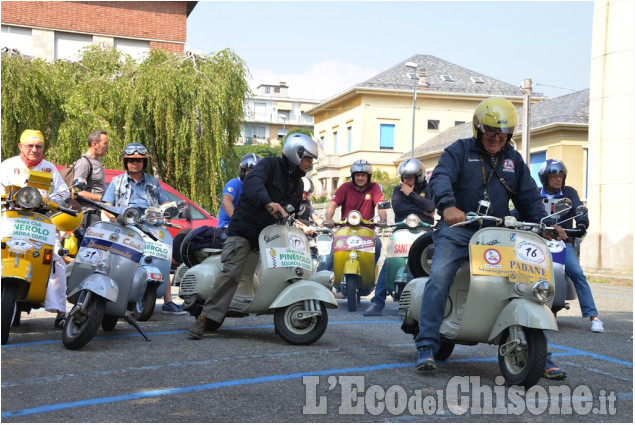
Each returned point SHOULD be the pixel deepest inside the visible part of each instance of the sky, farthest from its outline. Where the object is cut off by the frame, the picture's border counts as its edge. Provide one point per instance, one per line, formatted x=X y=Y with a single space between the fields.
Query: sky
x=321 y=48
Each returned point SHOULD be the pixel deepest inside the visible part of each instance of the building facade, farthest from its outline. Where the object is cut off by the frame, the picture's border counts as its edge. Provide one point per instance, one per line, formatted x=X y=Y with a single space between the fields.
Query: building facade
x=59 y=29
x=374 y=119
x=270 y=113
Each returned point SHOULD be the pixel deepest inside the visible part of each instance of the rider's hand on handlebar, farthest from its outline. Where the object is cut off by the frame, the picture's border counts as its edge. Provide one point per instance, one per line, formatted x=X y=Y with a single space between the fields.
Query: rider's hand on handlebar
x=582 y=229
x=558 y=233
x=453 y=215
x=328 y=223
x=276 y=210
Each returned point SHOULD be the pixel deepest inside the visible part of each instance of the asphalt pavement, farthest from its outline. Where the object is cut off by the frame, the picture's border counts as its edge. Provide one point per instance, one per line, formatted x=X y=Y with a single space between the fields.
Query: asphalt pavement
x=361 y=370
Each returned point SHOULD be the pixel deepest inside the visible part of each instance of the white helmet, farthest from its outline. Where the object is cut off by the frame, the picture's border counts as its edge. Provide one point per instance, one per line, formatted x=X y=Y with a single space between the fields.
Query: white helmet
x=412 y=167
x=297 y=146
x=308 y=184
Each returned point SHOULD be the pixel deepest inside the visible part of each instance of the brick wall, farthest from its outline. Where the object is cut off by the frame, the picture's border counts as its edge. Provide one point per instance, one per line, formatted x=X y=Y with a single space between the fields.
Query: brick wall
x=153 y=20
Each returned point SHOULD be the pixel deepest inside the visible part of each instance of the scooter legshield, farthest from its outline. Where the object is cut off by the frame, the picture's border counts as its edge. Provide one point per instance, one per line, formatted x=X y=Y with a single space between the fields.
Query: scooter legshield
x=99 y=284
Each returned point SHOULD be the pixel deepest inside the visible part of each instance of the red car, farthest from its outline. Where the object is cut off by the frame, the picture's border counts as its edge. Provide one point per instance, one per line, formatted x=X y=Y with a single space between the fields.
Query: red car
x=199 y=217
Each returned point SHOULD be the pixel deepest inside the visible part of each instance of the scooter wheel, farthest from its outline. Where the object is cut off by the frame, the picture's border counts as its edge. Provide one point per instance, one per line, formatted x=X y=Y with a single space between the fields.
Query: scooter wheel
x=143 y=309
x=444 y=351
x=296 y=330
x=418 y=260
x=9 y=297
x=352 y=294
x=524 y=365
x=79 y=327
x=108 y=323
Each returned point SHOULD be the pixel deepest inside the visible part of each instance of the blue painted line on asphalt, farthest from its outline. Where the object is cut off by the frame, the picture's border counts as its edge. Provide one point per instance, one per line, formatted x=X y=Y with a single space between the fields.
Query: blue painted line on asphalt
x=204 y=387
x=576 y=352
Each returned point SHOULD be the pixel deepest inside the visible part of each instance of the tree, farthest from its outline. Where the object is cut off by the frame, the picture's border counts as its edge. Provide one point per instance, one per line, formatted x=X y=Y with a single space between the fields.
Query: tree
x=186 y=109
x=387 y=183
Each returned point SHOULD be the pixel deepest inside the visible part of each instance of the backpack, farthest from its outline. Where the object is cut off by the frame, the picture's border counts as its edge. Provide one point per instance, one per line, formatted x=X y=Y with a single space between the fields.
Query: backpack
x=199 y=238
x=68 y=172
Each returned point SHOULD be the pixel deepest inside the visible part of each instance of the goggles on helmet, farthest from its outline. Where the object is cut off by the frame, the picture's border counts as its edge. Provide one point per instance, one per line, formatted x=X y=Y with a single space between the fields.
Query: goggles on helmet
x=130 y=150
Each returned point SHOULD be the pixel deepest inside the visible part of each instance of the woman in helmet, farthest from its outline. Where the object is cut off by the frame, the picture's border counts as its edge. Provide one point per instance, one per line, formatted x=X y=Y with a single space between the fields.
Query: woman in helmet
x=481 y=173
x=553 y=174
x=407 y=198
x=234 y=188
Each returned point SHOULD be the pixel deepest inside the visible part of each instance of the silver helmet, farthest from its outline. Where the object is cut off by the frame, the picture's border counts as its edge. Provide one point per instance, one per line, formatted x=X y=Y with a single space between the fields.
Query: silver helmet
x=412 y=167
x=362 y=166
x=247 y=162
x=297 y=146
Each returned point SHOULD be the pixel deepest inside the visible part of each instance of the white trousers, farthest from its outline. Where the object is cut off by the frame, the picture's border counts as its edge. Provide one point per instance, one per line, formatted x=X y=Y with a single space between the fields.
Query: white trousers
x=56 y=290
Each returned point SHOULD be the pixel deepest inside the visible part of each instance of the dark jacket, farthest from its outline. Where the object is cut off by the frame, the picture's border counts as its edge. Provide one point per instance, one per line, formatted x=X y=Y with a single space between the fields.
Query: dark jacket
x=415 y=203
x=571 y=193
x=273 y=179
x=458 y=180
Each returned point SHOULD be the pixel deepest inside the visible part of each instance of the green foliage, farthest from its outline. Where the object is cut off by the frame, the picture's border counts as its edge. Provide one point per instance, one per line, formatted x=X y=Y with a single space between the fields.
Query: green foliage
x=186 y=109
x=387 y=183
x=306 y=131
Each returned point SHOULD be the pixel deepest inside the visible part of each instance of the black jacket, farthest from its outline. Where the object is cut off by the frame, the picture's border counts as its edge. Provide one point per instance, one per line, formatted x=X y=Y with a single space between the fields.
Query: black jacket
x=415 y=203
x=273 y=179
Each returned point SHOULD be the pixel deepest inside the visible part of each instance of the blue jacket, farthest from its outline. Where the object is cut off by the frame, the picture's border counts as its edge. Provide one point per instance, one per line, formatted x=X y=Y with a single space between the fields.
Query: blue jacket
x=571 y=193
x=464 y=171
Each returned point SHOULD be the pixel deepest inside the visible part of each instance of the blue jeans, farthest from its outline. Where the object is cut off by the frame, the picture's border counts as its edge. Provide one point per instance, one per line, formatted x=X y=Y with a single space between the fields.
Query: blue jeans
x=380 y=289
x=574 y=271
x=451 y=250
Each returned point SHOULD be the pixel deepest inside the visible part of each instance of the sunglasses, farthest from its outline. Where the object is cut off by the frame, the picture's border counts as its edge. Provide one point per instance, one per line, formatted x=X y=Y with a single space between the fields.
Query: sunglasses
x=134 y=159
x=135 y=149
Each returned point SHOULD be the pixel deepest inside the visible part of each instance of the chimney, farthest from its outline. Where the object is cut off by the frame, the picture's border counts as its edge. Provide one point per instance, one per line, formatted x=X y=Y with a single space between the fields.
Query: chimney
x=423 y=78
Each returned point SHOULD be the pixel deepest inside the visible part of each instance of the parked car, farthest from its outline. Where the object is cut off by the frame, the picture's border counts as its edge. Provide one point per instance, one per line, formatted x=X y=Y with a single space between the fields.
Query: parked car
x=198 y=216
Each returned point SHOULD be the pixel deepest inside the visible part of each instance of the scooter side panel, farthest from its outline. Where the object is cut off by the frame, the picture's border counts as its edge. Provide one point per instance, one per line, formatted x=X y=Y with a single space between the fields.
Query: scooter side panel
x=526 y=314
x=304 y=290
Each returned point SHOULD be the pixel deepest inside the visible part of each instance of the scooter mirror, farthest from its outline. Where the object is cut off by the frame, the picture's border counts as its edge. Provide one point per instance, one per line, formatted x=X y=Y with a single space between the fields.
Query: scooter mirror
x=289 y=209
x=563 y=204
x=581 y=210
x=384 y=205
x=170 y=212
x=79 y=184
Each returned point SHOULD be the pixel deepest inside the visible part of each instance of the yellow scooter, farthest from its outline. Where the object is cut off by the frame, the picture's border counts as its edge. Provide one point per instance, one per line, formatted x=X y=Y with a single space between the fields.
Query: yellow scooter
x=28 y=231
x=354 y=258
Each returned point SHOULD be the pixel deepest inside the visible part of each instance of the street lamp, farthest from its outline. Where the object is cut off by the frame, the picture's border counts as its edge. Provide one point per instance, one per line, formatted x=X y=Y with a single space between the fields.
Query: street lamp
x=284 y=124
x=412 y=74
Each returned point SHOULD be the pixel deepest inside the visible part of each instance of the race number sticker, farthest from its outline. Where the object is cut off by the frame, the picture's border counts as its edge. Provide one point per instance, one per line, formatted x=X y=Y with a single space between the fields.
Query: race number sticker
x=286 y=257
x=530 y=252
x=89 y=255
x=24 y=228
x=157 y=249
x=558 y=251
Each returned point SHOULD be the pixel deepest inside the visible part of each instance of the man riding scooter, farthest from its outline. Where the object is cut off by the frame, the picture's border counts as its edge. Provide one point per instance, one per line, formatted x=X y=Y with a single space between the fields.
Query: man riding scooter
x=273 y=183
x=553 y=174
x=407 y=198
x=462 y=182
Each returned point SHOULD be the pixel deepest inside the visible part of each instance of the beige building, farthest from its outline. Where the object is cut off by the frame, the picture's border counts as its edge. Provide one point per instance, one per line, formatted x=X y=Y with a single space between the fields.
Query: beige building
x=373 y=120
x=608 y=248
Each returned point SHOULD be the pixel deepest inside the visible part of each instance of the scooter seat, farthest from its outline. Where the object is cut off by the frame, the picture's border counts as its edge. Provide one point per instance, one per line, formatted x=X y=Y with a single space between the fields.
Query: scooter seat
x=211 y=251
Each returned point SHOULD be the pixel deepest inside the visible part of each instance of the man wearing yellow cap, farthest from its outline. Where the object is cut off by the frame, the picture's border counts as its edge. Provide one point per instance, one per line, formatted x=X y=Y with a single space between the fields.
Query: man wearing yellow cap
x=15 y=171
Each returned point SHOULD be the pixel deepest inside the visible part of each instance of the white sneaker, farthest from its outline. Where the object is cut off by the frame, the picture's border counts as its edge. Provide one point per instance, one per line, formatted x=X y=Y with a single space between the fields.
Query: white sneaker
x=597 y=325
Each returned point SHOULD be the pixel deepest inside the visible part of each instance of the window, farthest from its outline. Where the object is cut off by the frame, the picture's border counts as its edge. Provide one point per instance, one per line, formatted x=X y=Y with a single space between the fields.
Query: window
x=536 y=160
x=335 y=142
x=260 y=132
x=17 y=38
x=350 y=138
x=276 y=89
x=386 y=136
x=68 y=46
x=447 y=78
x=477 y=80
x=433 y=124
x=138 y=49
x=260 y=109
x=267 y=90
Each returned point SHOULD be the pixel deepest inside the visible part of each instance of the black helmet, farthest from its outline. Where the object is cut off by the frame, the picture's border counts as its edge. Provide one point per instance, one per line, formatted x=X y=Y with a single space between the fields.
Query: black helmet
x=551 y=166
x=297 y=146
x=134 y=150
x=247 y=162
x=412 y=167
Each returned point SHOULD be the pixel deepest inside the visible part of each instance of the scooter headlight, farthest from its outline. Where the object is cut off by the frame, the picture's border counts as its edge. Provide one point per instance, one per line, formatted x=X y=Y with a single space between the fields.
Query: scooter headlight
x=412 y=220
x=152 y=216
x=543 y=290
x=28 y=197
x=354 y=218
x=131 y=216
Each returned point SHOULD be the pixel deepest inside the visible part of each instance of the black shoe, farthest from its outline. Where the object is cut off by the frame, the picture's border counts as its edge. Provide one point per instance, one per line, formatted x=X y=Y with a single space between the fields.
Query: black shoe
x=374 y=310
x=425 y=359
x=59 y=321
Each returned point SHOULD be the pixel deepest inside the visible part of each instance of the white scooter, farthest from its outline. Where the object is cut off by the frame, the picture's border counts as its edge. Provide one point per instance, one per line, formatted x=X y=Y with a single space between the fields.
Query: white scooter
x=277 y=280
x=503 y=296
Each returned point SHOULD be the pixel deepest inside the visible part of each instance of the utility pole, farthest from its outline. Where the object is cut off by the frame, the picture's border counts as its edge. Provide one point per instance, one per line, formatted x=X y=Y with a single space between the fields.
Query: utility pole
x=526 y=87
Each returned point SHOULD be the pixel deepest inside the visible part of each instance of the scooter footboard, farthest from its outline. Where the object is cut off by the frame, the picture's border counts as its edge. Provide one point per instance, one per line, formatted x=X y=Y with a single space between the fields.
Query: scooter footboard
x=529 y=315
x=304 y=290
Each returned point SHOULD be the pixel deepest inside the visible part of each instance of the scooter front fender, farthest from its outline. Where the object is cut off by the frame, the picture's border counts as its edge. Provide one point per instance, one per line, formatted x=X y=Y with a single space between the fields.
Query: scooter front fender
x=351 y=267
x=99 y=284
x=302 y=290
x=524 y=313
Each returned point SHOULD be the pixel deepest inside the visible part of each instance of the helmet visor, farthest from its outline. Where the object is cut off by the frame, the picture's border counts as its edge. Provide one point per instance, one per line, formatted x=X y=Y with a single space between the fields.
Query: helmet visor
x=493 y=131
x=130 y=150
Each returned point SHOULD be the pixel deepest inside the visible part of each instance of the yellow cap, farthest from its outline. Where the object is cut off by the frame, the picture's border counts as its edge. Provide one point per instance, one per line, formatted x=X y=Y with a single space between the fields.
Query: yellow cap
x=31 y=136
